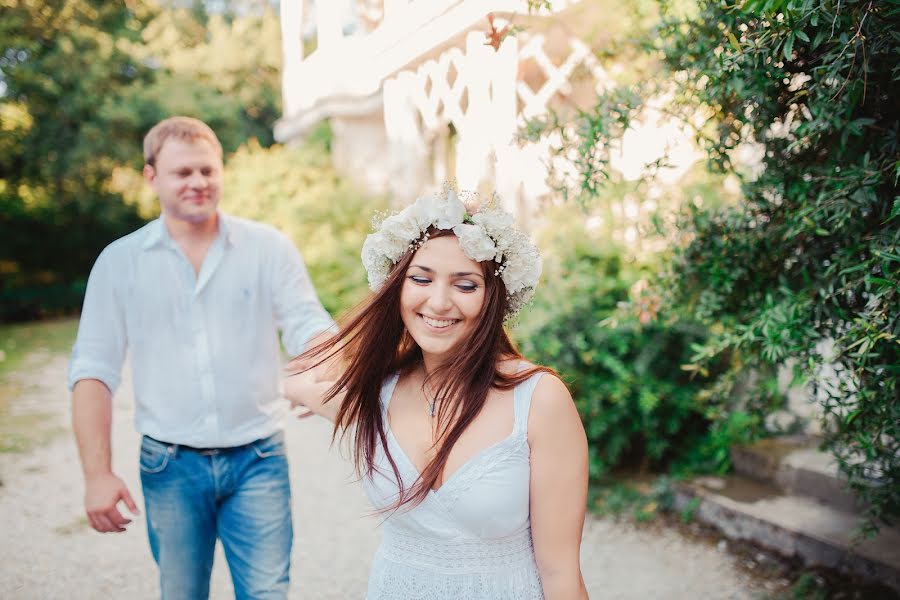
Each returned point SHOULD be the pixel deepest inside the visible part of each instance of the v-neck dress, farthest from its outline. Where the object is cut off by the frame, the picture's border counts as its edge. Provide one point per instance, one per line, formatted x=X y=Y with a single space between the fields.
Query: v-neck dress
x=471 y=538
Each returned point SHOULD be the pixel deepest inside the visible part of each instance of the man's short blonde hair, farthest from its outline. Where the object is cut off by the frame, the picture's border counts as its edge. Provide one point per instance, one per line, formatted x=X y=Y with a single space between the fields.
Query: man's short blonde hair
x=182 y=128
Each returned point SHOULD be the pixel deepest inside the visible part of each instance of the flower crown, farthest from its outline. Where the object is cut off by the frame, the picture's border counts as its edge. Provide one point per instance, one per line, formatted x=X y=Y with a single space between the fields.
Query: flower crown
x=485 y=235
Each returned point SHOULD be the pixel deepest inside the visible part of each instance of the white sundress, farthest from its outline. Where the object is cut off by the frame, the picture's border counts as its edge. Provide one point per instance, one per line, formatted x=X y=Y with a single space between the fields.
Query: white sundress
x=471 y=538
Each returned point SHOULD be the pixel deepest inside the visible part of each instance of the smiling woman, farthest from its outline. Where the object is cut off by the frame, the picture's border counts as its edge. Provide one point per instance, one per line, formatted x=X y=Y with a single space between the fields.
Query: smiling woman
x=441 y=298
x=477 y=458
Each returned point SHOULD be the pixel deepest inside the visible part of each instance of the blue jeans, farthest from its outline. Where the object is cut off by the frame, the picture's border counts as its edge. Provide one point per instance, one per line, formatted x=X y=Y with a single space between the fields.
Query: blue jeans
x=241 y=496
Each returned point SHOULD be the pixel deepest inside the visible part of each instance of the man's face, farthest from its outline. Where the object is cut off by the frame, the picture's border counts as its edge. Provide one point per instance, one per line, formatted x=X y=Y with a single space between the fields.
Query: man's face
x=188 y=180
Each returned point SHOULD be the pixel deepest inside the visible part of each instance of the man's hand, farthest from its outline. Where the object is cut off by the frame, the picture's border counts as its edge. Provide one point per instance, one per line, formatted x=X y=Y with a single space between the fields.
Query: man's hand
x=101 y=497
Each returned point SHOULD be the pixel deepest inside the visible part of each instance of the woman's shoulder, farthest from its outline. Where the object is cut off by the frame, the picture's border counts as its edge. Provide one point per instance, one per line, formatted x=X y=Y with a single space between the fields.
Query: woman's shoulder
x=513 y=365
x=553 y=411
x=551 y=394
x=548 y=380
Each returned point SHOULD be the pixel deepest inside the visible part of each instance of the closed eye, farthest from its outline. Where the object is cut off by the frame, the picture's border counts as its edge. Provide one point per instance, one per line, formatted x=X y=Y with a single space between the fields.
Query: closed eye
x=419 y=279
x=467 y=287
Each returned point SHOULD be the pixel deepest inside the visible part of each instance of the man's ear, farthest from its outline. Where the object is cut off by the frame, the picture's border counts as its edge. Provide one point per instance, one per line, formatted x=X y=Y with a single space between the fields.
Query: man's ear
x=149 y=174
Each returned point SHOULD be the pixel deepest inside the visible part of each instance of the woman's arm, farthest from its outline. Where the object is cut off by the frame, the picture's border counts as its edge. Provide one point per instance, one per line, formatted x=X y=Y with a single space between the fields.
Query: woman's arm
x=559 y=478
x=306 y=390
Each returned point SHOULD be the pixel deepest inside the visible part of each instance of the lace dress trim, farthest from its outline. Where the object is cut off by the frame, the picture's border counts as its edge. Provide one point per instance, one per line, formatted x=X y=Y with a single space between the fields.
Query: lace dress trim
x=457 y=556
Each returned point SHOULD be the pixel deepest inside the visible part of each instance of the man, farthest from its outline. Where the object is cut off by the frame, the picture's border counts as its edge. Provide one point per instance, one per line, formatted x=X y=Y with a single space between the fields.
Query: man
x=197 y=298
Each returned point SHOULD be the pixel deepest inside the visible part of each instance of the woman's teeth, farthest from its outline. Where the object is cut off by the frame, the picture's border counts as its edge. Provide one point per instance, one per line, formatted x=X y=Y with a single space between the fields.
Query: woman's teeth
x=438 y=323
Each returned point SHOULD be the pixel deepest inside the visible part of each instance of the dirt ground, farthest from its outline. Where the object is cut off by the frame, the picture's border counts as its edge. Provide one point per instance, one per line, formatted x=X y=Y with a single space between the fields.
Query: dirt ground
x=49 y=551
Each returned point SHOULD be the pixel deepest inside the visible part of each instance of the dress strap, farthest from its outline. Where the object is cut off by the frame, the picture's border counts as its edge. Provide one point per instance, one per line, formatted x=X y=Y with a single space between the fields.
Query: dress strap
x=387 y=391
x=522 y=402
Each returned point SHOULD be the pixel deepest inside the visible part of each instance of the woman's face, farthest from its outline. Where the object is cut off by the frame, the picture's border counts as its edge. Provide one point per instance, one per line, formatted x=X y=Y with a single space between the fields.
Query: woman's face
x=442 y=297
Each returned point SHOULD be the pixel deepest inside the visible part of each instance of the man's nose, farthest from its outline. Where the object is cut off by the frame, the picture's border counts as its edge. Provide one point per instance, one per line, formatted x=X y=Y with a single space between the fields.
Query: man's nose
x=197 y=180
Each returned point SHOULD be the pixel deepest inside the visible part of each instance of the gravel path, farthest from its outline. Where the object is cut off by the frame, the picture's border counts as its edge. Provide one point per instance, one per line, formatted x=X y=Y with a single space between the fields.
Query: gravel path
x=48 y=550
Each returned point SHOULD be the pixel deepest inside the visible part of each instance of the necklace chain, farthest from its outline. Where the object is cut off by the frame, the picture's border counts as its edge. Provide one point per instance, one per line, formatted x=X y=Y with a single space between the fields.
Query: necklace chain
x=431 y=404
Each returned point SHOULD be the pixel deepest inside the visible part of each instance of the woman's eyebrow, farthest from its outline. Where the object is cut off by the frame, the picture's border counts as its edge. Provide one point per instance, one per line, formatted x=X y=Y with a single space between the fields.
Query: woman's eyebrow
x=467 y=274
x=459 y=274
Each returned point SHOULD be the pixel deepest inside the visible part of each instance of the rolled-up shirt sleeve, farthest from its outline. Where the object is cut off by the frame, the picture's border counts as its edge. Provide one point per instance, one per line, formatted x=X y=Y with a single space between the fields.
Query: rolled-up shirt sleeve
x=298 y=312
x=100 y=346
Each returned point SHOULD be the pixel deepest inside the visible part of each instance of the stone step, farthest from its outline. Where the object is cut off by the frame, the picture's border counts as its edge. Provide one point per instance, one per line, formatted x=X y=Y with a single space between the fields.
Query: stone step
x=795 y=526
x=795 y=465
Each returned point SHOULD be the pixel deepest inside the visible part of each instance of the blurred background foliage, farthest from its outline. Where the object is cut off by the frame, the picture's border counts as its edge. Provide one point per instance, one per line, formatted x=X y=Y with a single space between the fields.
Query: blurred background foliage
x=298 y=191
x=638 y=405
x=803 y=268
x=82 y=82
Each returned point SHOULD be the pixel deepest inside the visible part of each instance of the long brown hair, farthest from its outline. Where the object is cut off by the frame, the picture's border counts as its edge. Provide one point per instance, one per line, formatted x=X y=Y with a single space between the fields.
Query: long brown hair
x=374 y=344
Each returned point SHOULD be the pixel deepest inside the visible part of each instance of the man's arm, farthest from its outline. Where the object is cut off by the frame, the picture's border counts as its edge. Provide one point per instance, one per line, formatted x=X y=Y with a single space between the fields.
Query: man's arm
x=92 y=423
x=93 y=372
x=299 y=314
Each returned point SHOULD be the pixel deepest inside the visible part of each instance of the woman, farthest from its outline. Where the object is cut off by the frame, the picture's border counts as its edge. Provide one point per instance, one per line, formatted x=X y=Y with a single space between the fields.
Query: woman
x=477 y=459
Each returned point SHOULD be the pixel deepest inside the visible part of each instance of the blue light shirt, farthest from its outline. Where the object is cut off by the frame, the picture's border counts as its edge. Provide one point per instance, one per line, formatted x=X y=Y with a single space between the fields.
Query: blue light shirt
x=203 y=349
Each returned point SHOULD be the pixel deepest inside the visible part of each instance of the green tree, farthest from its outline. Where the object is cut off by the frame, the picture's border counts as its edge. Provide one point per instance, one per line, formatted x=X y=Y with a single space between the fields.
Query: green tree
x=82 y=82
x=810 y=255
x=60 y=61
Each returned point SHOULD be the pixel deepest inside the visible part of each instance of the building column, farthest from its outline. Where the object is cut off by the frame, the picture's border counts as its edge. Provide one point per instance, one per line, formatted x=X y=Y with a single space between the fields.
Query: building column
x=476 y=130
x=508 y=167
x=408 y=154
x=328 y=24
x=292 y=51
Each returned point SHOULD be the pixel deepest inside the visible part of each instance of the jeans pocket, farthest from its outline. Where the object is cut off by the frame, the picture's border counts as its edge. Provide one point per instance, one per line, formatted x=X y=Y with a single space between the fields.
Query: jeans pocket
x=271 y=446
x=154 y=456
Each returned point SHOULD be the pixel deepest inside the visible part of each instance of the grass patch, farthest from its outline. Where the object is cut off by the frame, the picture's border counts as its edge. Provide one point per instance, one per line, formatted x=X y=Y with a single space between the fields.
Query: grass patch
x=638 y=499
x=21 y=428
x=19 y=340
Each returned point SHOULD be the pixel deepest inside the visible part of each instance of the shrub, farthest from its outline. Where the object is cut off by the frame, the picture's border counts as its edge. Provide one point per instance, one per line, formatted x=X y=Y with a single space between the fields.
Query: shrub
x=298 y=191
x=639 y=406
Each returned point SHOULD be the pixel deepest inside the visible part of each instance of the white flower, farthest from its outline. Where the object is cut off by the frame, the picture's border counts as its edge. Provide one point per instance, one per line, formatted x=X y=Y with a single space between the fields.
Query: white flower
x=378 y=254
x=475 y=242
x=489 y=235
x=494 y=221
x=521 y=272
x=443 y=213
x=402 y=226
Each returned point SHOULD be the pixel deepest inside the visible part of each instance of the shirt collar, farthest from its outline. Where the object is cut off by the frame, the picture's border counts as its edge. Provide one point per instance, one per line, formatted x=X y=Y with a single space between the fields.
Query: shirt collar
x=158 y=235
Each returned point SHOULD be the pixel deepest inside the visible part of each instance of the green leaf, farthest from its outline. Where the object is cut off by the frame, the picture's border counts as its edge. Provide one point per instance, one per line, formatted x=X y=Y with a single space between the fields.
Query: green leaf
x=883 y=281
x=789 y=47
x=820 y=36
x=734 y=42
x=802 y=35
x=888 y=255
x=895 y=210
x=854 y=268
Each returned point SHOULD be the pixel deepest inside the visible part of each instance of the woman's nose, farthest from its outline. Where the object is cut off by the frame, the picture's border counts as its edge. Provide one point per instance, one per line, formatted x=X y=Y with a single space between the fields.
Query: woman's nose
x=440 y=300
